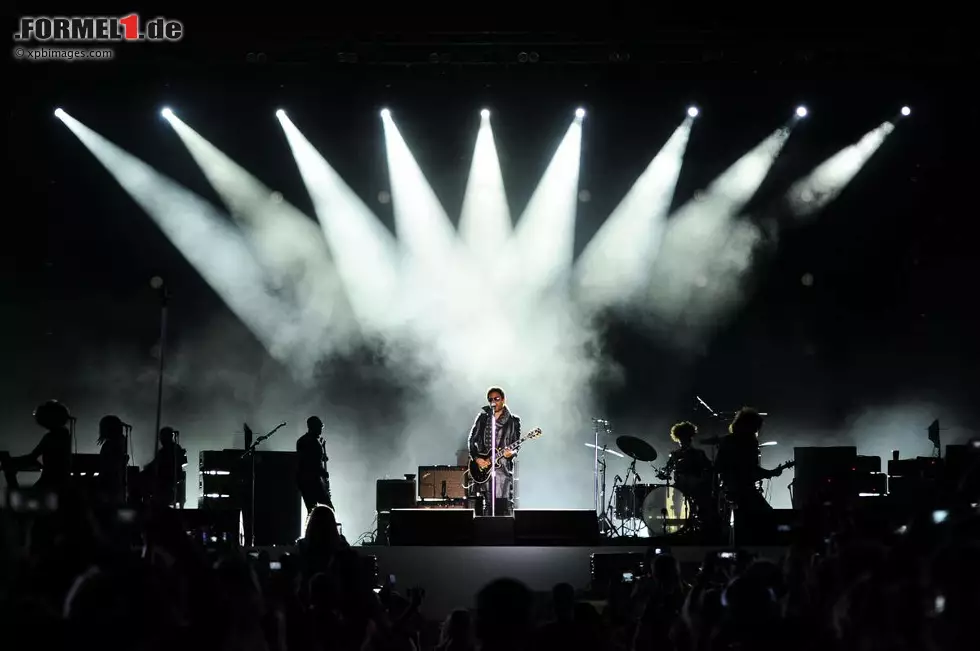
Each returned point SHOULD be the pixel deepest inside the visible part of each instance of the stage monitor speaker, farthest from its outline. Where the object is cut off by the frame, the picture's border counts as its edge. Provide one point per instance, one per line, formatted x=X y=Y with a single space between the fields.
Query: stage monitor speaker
x=562 y=528
x=394 y=494
x=430 y=527
x=493 y=532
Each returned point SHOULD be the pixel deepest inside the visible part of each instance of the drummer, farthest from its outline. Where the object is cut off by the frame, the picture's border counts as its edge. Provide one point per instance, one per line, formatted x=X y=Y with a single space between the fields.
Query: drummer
x=689 y=465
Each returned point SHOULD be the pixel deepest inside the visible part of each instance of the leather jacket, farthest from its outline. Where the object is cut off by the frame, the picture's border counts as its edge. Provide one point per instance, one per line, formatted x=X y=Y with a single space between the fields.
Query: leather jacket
x=508 y=433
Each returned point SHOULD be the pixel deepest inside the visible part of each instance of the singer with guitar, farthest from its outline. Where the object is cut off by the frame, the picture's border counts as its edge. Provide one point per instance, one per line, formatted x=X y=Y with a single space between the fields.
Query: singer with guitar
x=311 y=475
x=737 y=465
x=495 y=421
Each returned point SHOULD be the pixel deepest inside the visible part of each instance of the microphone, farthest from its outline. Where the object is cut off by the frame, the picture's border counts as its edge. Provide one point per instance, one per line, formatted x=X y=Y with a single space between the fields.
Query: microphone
x=638 y=478
x=617 y=478
x=282 y=424
x=126 y=425
x=72 y=419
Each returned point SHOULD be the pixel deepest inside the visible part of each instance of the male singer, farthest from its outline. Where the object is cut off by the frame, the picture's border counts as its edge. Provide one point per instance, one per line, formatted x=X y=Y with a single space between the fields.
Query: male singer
x=495 y=417
x=311 y=475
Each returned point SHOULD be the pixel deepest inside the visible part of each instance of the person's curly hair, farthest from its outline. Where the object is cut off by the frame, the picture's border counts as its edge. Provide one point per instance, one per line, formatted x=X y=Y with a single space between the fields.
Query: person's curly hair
x=684 y=431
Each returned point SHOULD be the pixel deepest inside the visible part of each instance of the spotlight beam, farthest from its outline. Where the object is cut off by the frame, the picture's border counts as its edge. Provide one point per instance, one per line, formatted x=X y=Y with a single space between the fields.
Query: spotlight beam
x=287 y=243
x=364 y=250
x=205 y=238
x=812 y=193
x=485 y=223
x=544 y=238
x=615 y=263
x=692 y=279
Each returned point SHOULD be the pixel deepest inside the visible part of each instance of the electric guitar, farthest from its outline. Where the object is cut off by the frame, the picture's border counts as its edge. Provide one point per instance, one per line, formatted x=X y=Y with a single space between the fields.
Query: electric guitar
x=775 y=472
x=780 y=468
x=482 y=475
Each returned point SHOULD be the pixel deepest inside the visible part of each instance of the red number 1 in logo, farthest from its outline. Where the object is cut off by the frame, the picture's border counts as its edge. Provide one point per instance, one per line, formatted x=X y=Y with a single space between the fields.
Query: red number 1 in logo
x=132 y=25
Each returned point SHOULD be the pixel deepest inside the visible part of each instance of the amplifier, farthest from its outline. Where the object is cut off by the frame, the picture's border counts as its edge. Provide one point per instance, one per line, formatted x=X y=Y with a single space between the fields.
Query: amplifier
x=394 y=494
x=442 y=482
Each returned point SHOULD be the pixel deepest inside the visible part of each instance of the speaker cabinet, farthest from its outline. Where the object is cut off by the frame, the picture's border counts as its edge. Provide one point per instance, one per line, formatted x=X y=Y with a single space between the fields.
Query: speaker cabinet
x=430 y=527
x=278 y=504
x=565 y=528
x=394 y=494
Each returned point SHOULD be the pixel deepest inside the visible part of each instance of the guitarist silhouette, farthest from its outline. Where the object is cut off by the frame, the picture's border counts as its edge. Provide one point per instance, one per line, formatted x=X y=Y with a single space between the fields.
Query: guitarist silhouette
x=311 y=474
x=737 y=464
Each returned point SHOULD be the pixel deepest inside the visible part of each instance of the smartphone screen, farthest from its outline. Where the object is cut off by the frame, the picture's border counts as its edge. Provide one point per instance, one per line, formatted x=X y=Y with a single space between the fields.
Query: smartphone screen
x=627 y=577
x=275 y=565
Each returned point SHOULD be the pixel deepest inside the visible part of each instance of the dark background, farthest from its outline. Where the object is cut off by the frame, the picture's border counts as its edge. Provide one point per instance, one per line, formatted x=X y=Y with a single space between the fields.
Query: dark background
x=889 y=321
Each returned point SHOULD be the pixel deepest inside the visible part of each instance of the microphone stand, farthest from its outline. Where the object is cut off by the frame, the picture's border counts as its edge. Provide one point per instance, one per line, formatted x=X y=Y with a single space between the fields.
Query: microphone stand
x=164 y=300
x=493 y=463
x=599 y=492
x=250 y=452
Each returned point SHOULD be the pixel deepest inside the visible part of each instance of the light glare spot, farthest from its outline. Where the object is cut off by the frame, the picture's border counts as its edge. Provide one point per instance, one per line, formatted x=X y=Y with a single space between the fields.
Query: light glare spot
x=801 y=111
x=693 y=112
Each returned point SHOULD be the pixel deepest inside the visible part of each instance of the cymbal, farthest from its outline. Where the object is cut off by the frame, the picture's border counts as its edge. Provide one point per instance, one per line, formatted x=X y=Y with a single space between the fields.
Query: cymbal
x=636 y=448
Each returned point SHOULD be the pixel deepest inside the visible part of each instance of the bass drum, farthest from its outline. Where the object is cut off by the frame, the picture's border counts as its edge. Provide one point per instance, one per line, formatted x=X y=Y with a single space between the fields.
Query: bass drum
x=667 y=510
x=629 y=500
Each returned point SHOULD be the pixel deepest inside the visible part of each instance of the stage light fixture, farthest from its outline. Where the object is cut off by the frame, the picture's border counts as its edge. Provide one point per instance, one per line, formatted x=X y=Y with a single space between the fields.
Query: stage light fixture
x=801 y=111
x=906 y=111
x=485 y=113
x=693 y=111
x=280 y=114
x=167 y=113
x=580 y=113
x=58 y=113
x=385 y=113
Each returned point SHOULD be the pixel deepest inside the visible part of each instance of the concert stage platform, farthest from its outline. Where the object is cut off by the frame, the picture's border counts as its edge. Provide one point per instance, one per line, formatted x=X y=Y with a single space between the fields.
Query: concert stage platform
x=451 y=576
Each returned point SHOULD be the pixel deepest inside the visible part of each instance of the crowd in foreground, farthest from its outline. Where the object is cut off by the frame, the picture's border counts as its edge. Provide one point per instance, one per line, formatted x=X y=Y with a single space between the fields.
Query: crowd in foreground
x=73 y=578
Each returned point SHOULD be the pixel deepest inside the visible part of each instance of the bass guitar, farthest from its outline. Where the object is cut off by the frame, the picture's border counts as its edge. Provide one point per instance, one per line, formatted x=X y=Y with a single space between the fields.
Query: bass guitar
x=482 y=475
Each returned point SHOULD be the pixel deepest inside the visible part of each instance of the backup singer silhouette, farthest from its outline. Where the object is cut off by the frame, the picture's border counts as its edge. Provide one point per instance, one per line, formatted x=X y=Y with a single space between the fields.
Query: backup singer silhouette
x=508 y=432
x=113 y=460
x=165 y=475
x=311 y=474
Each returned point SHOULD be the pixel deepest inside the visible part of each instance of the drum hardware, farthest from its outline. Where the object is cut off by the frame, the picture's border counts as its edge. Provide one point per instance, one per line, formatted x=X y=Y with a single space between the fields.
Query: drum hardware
x=599 y=476
x=630 y=494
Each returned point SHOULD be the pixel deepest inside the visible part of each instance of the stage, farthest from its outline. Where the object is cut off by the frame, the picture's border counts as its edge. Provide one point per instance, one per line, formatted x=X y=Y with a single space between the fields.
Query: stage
x=451 y=576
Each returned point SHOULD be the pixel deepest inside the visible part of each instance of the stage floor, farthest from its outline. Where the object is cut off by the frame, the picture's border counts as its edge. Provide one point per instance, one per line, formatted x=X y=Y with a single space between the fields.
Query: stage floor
x=451 y=576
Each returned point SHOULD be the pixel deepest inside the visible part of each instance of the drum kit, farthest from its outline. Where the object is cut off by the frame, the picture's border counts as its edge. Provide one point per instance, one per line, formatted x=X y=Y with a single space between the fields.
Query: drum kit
x=663 y=508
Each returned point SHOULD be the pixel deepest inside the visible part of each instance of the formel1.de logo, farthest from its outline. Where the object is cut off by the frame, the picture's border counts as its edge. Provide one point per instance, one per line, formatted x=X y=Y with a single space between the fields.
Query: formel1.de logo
x=98 y=29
